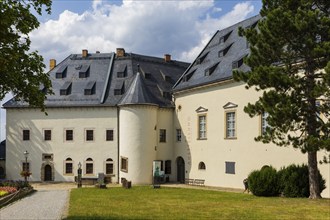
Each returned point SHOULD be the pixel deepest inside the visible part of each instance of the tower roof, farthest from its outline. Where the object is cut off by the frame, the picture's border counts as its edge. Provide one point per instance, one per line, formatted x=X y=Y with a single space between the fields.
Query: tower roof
x=138 y=93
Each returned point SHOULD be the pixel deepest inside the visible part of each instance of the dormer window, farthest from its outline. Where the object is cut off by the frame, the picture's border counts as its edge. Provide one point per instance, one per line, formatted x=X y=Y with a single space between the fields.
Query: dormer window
x=209 y=71
x=90 y=88
x=84 y=72
x=238 y=63
x=166 y=77
x=147 y=75
x=61 y=72
x=122 y=71
x=252 y=25
x=66 y=88
x=119 y=88
x=223 y=52
x=202 y=58
x=224 y=38
x=188 y=76
x=165 y=94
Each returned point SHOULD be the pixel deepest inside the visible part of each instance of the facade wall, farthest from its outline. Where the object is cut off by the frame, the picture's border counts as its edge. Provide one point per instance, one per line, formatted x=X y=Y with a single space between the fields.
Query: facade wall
x=79 y=150
x=216 y=150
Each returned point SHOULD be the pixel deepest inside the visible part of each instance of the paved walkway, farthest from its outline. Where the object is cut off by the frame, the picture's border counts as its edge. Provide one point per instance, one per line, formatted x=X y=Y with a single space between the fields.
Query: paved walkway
x=45 y=204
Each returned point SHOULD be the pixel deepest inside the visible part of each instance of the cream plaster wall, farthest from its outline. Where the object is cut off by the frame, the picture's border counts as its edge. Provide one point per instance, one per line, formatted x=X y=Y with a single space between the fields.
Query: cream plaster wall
x=216 y=149
x=78 y=119
x=138 y=141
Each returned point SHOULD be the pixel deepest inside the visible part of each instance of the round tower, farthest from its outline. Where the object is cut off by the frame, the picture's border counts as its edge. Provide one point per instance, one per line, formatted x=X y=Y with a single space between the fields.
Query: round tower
x=137 y=141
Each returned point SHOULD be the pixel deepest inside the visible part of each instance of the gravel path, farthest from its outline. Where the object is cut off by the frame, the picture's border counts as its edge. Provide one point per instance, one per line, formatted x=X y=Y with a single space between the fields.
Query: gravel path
x=43 y=204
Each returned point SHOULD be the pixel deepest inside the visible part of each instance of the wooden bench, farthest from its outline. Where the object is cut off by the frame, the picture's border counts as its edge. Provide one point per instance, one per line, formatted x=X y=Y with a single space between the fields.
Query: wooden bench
x=198 y=182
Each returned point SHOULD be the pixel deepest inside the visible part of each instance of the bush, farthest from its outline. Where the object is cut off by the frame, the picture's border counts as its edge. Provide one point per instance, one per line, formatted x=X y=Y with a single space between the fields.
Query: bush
x=294 y=181
x=264 y=182
x=17 y=184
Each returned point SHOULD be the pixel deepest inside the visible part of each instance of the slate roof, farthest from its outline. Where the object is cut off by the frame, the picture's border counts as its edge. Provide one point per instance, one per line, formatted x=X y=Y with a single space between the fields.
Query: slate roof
x=105 y=79
x=224 y=52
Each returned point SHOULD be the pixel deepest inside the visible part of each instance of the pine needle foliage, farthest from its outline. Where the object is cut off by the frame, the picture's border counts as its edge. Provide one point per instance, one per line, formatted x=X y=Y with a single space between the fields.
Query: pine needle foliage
x=290 y=64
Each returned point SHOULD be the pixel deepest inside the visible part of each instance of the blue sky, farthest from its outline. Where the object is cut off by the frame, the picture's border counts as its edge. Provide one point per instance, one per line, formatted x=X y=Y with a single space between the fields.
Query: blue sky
x=149 y=27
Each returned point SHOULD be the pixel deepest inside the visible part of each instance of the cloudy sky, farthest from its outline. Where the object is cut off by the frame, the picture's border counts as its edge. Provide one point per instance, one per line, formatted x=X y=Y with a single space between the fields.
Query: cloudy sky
x=149 y=27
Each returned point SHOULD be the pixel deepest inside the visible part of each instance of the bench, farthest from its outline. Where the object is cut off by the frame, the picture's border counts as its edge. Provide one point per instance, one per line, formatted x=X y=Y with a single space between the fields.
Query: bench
x=198 y=182
x=189 y=181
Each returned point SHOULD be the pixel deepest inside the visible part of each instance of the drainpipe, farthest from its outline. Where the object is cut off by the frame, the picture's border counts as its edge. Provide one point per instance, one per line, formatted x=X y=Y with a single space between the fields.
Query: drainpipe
x=118 y=145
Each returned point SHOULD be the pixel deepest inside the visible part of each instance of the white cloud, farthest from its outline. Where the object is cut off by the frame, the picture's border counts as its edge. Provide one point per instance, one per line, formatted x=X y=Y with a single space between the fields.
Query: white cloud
x=146 y=27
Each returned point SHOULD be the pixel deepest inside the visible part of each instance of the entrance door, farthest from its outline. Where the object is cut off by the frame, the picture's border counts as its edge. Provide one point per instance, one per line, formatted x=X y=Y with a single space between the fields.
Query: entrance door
x=180 y=169
x=48 y=173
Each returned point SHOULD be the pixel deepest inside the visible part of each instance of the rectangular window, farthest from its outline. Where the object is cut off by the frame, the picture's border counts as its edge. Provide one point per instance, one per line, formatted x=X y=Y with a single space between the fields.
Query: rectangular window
x=168 y=167
x=124 y=164
x=68 y=168
x=162 y=135
x=178 y=135
x=109 y=135
x=202 y=127
x=230 y=125
x=26 y=135
x=69 y=135
x=26 y=166
x=89 y=168
x=89 y=135
x=109 y=168
x=47 y=135
x=264 y=123
x=230 y=167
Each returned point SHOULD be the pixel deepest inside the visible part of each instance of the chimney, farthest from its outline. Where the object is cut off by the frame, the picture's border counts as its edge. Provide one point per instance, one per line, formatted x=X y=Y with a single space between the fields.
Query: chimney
x=84 y=53
x=167 y=58
x=120 y=52
x=52 y=64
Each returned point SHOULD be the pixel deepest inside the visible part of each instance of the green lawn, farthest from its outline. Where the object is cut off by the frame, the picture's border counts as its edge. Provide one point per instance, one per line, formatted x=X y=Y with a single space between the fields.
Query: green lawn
x=144 y=202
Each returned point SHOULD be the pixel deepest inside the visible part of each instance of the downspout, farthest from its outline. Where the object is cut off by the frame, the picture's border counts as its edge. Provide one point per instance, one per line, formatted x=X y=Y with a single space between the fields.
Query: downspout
x=118 y=144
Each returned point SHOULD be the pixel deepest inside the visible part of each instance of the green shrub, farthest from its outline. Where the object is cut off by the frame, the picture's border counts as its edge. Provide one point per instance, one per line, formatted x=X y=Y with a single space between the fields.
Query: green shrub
x=264 y=182
x=294 y=181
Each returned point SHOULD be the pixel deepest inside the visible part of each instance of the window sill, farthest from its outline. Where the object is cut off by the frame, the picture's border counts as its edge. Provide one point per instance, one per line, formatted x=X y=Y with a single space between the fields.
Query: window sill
x=230 y=138
x=68 y=174
x=201 y=139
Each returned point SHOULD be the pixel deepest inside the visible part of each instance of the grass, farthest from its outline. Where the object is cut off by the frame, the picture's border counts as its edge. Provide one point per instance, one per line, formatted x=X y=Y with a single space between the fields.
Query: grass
x=144 y=202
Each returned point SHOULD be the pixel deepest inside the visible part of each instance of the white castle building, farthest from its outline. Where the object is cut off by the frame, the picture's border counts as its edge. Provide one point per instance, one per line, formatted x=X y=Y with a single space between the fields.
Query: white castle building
x=117 y=113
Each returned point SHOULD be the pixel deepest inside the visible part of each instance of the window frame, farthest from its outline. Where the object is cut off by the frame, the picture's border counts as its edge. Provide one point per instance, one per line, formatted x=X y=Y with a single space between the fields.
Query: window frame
x=26 y=134
x=46 y=136
x=89 y=133
x=229 y=169
x=178 y=135
x=263 y=122
x=200 y=132
x=89 y=162
x=234 y=128
x=162 y=135
x=109 y=161
x=124 y=169
x=28 y=164
x=66 y=130
x=111 y=137
x=201 y=166
x=67 y=162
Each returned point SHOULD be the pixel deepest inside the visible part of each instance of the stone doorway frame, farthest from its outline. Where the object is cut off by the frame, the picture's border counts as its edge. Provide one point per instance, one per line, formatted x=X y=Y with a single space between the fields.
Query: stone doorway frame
x=42 y=174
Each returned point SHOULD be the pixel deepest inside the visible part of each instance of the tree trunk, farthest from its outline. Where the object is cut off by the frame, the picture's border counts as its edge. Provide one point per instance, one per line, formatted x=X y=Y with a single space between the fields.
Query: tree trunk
x=314 y=189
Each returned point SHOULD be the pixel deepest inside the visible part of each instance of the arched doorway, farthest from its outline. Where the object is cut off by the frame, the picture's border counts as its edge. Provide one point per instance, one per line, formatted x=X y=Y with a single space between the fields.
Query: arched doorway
x=48 y=173
x=180 y=169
